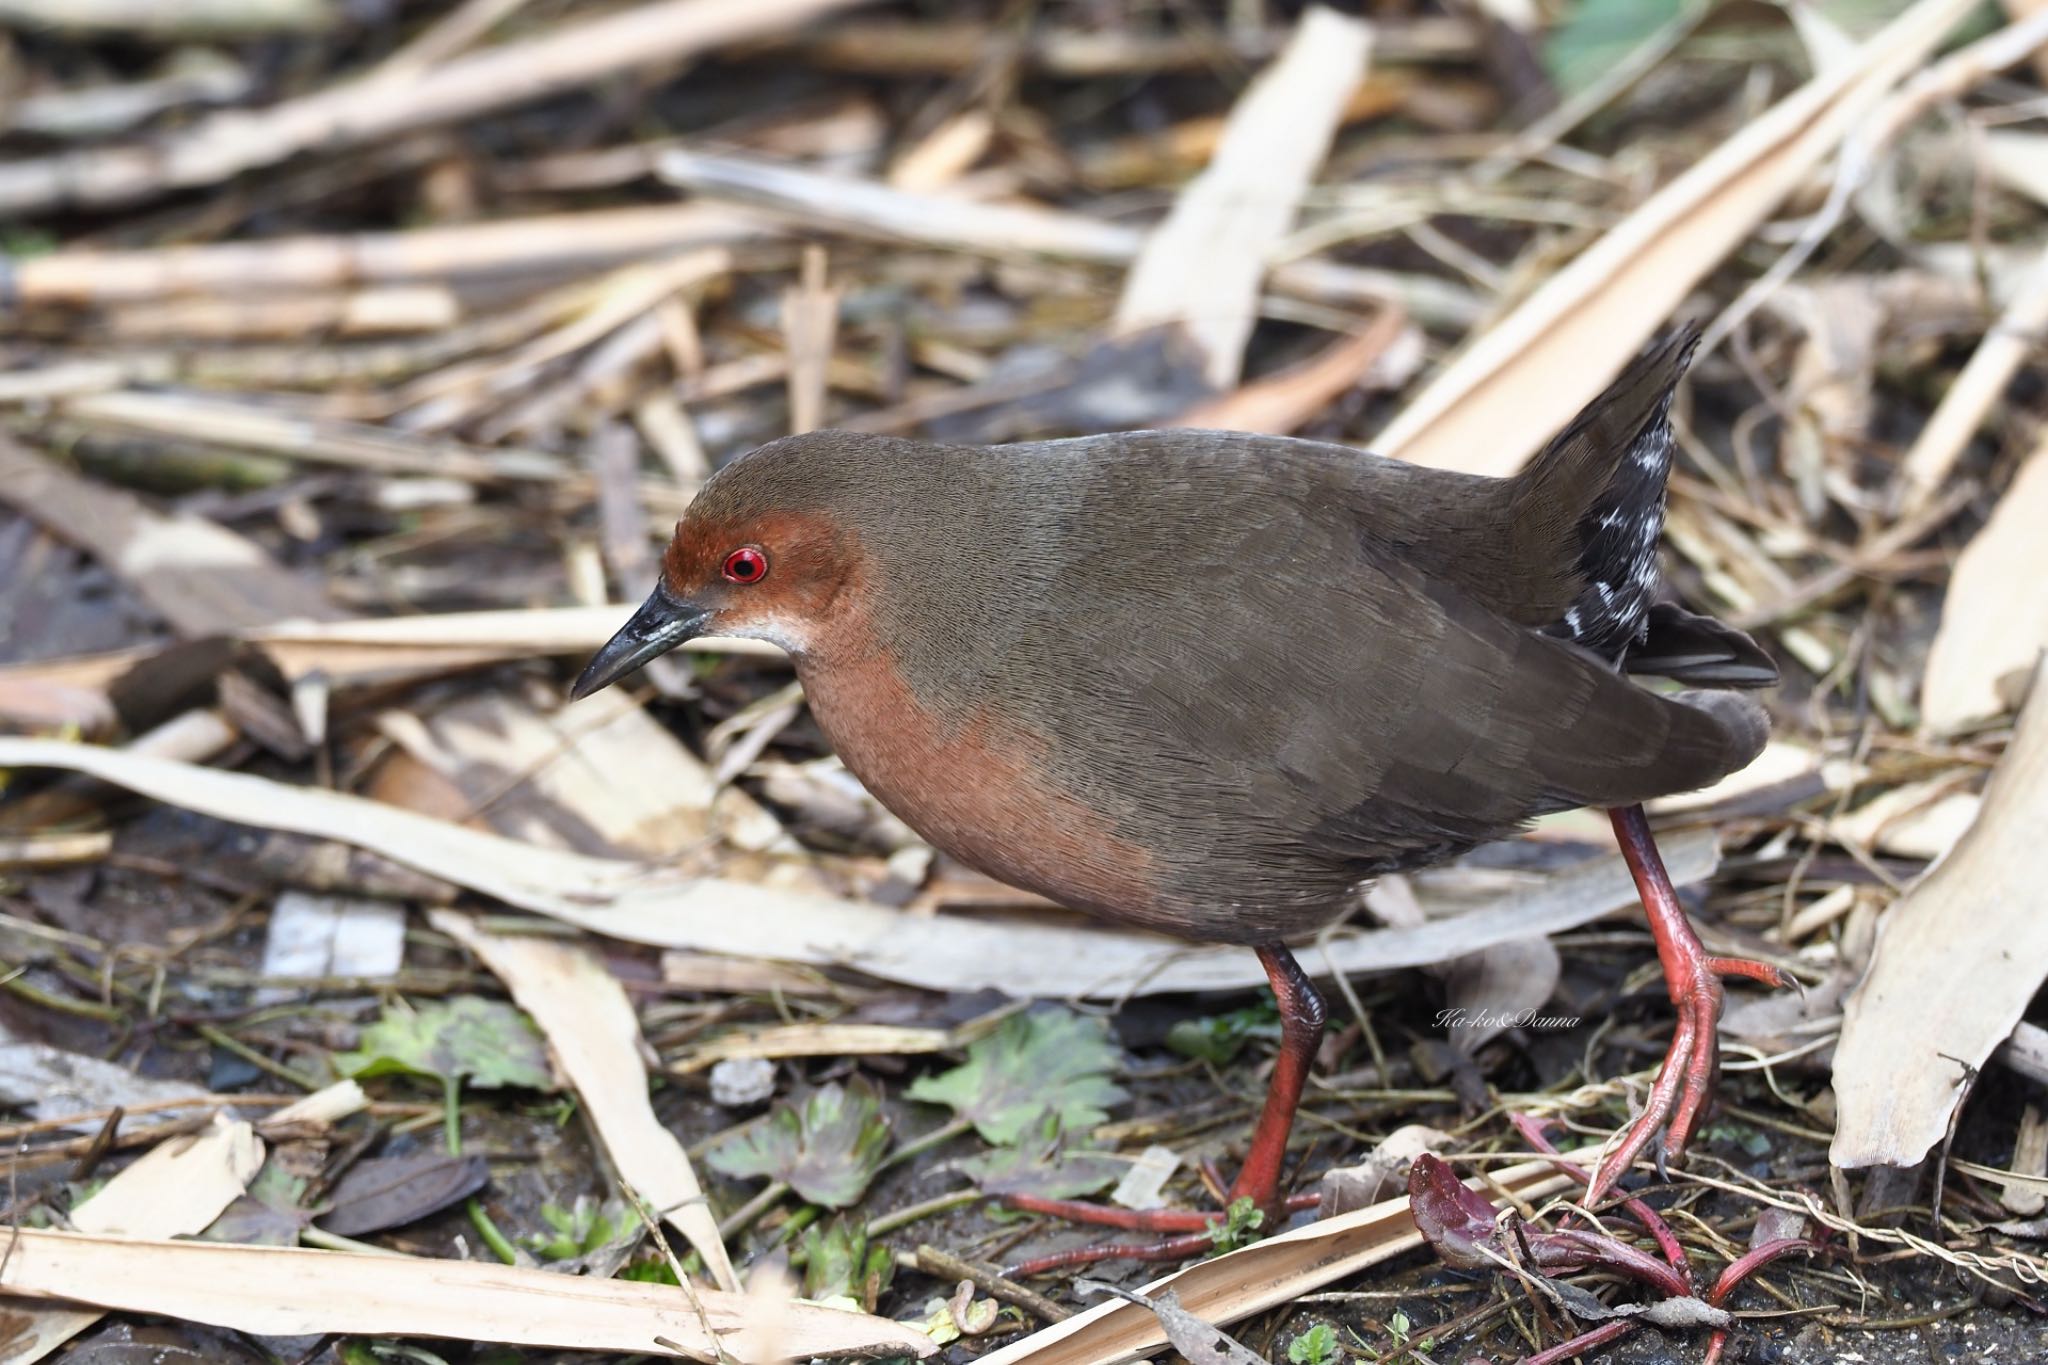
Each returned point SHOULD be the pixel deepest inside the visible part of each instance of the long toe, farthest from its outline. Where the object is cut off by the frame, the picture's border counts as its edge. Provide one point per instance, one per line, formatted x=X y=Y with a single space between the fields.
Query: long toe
x=1686 y=1083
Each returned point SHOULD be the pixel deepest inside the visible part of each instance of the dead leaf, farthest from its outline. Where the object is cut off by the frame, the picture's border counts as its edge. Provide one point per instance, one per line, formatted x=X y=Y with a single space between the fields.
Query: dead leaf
x=287 y=1291
x=1525 y=378
x=1022 y=955
x=1201 y=1342
x=1990 y=636
x=1201 y=268
x=1281 y=402
x=52 y=1083
x=1957 y=959
x=594 y=1034
x=390 y=1191
x=176 y=1189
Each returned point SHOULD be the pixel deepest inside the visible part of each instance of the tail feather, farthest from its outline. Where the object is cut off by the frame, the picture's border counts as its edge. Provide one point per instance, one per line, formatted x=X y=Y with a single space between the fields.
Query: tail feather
x=1598 y=489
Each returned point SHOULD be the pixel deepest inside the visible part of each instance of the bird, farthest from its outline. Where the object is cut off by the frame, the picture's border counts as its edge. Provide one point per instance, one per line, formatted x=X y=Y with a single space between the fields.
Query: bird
x=1213 y=683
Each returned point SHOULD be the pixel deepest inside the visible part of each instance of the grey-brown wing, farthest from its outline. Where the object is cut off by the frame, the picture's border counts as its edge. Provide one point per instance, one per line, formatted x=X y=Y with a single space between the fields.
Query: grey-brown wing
x=1386 y=718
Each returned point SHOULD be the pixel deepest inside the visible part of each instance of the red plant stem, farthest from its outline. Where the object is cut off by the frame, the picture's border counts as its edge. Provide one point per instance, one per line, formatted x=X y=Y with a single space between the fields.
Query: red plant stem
x=1169 y=1249
x=1597 y=1248
x=1585 y=1341
x=1741 y=1269
x=1750 y=1262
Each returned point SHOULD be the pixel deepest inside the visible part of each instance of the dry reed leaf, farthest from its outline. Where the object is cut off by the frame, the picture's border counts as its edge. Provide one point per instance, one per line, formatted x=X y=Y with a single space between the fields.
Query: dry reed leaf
x=543 y=244
x=810 y=331
x=1918 y=820
x=1280 y=403
x=1925 y=471
x=819 y=1040
x=51 y=1082
x=289 y=1291
x=552 y=778
x=639 y=903
x=1201 y=268
x=201 y=577
x=176 y=1189
x=376 y=107
x=55 y=848
x=188 y=19
x=1261 y=1276
x=2022 y=9
x=594 y=1035
x=1990 y=636
x=1490 y=409
x=395 y=648
x=2019 y=160
x=406 y=646
x=1957 y=960
x=691 y=971
x=816 y=201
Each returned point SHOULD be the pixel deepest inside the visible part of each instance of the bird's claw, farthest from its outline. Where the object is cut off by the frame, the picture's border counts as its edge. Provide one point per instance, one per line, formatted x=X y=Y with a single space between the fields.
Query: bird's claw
x=1685 y=1083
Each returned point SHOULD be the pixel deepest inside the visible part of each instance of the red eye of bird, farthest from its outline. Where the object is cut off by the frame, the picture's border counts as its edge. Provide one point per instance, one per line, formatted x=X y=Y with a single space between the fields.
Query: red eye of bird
x=746 y=565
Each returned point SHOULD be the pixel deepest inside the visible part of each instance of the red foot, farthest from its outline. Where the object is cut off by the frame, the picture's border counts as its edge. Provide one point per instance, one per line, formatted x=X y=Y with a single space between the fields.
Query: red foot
x=1686 y=1082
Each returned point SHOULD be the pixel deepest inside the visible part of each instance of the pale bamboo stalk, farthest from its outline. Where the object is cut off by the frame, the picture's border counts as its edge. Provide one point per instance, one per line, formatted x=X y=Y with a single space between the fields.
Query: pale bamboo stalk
x=551 y=243
x=377 y=108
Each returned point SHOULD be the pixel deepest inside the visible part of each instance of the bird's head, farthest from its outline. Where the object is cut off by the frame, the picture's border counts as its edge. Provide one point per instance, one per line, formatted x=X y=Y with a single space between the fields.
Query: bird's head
x=765 y=551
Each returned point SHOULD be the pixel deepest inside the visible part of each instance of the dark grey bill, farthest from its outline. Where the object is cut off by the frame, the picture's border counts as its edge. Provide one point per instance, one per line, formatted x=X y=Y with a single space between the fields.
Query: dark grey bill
x=663 y=622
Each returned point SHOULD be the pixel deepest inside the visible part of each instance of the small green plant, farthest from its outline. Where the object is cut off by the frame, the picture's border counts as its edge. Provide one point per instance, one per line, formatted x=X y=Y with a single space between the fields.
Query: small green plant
x=1317 y=1346
x=582 y=1228
x=1238 y=1227
x=1218 y=1038
x=841 y=1266
x=650 y=1270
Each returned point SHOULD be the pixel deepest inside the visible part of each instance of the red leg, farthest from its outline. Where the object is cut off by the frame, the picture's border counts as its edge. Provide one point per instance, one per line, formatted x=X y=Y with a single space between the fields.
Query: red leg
x=1301 y=1032
x=1686 y=1082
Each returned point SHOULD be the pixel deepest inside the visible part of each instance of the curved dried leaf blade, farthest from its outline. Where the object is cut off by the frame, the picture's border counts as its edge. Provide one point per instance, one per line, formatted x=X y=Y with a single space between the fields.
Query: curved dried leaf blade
x=389 y=1192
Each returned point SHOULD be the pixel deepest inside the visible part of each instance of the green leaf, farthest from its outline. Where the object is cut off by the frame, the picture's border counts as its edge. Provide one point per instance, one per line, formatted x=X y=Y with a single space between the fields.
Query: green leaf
x=1048 y=1060
x=1317 y=1346
x=584 y=1227
x=827 y=1149
x=1220 y=1037
x=839 y=1264
x=1597 y=34
x=1039 y=1165
x=1238 y=1227
x=650 y=1270
x=480 y=1042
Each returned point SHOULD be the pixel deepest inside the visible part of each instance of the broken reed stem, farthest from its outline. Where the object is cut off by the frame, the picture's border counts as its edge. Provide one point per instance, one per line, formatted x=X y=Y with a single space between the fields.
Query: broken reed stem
x=991 y=1281
x=904 y=1217
x=743 y=1217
